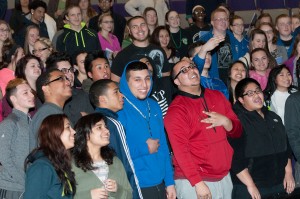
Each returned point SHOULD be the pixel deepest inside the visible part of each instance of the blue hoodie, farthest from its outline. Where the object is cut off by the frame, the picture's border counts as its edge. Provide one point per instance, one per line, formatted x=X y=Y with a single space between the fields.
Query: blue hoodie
x=151 y=169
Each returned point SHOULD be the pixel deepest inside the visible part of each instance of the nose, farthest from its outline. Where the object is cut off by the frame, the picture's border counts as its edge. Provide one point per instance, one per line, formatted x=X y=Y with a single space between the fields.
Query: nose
x=73 y=131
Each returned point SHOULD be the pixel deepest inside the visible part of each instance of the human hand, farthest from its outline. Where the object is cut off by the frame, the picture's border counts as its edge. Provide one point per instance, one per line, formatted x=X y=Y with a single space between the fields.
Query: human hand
x=111 y=185
x=253 y=191
x=171 y=192
x=99 y=193
x=202 y=191
x=289 y=182
x=217 y=119
x=152 y=145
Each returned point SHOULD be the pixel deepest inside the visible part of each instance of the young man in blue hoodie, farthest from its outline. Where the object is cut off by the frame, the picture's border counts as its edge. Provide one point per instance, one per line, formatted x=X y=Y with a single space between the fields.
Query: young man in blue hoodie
x=142 y=119
x=106 y=97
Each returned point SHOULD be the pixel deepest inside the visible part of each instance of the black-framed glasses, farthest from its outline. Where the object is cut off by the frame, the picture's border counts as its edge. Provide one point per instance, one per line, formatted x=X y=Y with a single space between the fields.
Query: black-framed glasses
x=60 y=78
x=39 y=50
x=68 y=70
x=251 y=93
x=185 y=69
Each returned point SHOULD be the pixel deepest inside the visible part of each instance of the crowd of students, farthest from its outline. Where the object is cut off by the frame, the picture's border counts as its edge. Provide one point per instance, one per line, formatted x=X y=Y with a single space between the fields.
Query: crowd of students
x=95 y=106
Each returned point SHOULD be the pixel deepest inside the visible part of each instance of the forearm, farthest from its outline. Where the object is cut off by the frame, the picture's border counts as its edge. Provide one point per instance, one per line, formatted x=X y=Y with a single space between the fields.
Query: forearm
x=245 y=177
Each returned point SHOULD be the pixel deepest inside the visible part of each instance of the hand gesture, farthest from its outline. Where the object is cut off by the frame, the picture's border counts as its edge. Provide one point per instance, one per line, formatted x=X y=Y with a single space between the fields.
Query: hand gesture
x=171 y=193
x=111 y=185
x=99 y=193
x=152 y=145
x=202 y=191
x=217 y=119
x=253 y=191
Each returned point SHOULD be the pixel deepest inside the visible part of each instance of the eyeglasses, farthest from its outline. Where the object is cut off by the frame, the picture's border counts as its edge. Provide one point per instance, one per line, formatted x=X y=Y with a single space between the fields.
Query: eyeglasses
x=4 y=30
x=268 y=31
x=68 y=70
x=60 y=78
x=221 y=19
x=104 y=1
x=251 y=93
x=185 y=69
x=107 y=22
x=238 y=25
x=39 y=50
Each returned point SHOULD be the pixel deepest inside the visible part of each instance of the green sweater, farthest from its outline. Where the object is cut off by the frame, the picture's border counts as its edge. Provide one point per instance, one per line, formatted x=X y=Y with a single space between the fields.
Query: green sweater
x=86 y=181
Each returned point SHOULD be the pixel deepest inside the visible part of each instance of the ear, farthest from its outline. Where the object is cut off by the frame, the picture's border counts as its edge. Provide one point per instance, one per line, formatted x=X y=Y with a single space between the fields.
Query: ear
x=46 y=90
x=32 y=10
x=176 y=81
x=13 y=99
x=90 y=75
x=241 y=100
x=102 y=99
x=212 y=22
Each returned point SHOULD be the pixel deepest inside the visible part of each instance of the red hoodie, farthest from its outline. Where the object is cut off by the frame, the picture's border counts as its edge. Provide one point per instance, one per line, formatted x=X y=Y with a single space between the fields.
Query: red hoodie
x=200 y=153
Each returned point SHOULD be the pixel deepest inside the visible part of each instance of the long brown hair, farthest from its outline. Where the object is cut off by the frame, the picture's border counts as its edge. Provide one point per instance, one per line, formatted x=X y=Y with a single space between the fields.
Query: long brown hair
x=53 y=148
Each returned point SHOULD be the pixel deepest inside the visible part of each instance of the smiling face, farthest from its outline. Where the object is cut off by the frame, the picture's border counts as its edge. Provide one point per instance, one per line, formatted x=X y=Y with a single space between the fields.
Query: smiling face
x=237 y=27
x=33 y=35
x=100 y=69
x=74 y=17
x=284 y=26
x=268 y=31
x=67 y=136
x=283 y=80
x=151 y=18
x=220 y=21
x=138 y=29
x=255 y=102
x=189 y=78
x=32 y=70
x=69 y=72
x=259 y=41
x=4 y=31
x=38 y=15
x=260 y=61
x=164 y=38
x=23 y=98
x=113 y=98
x=237 y=72
x=139 y=83
x=199 y=14
x=99 y=136
x=173 y=20
x=41 y=50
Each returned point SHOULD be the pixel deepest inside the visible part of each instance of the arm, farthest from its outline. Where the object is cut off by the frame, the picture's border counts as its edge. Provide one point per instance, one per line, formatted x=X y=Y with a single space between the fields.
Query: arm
x=10 y=169
x=289 y=182
x=35 y=184
x=178 y=129
x=292 y=123
x=245 y=177
x=130 y=7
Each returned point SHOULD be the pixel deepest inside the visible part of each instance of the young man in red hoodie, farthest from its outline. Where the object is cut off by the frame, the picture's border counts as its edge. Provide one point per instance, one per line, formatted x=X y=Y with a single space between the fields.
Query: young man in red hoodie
x=198 y=122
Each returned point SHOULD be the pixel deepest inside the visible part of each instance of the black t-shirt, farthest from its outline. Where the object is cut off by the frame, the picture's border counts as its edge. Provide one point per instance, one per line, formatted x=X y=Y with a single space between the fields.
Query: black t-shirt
x=197 y=32
x=224 y=58
x=287 y=44
x=181 y=41
x=132 y=52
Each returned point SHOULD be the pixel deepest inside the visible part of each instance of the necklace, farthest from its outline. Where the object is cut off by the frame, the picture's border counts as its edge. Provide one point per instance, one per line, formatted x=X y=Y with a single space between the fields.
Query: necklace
x=144 y=116
x=179 y=46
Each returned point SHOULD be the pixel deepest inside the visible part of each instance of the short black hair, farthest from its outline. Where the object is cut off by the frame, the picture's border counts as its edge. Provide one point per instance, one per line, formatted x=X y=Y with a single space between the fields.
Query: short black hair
x=135 y=66
x=41 y=81
x=90 y=57
x=241 y=86
x=56 y=57
x=97 y=89
x=191 y=48
x=36 y=4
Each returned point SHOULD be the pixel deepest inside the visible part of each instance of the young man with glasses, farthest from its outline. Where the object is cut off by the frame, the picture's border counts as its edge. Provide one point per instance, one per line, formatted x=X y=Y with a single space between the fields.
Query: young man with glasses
x=198 y=122
x=225 y=53
x=106 y=6
x=54 y=89
x=79 y=104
